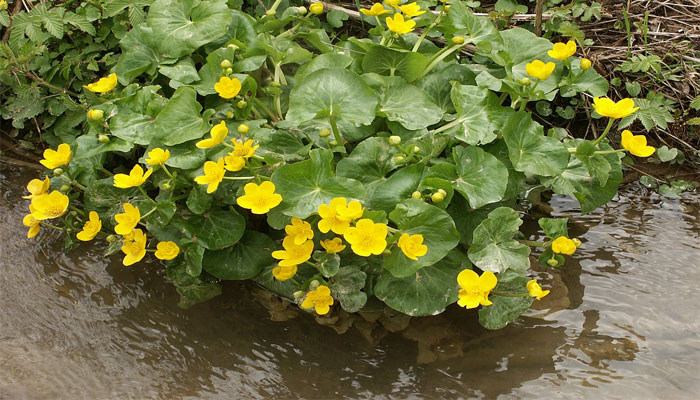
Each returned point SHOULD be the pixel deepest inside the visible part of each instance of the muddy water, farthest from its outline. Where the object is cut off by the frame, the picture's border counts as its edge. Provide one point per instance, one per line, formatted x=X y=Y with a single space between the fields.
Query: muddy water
x=621 y=322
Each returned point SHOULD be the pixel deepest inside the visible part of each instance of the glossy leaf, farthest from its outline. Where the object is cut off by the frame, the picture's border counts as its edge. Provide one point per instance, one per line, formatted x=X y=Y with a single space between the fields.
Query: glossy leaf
x=530 y=150
x=494 y=249
x=244 y=260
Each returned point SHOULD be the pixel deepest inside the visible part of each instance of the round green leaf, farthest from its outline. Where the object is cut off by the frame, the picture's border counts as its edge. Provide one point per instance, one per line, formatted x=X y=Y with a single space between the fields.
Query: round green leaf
x=243 y=260
x=386 y=61
x=180 y=120
x=505 y=310
x=397 y=188
x=493 y=247
x=406 y=104
x=332 y=91
x=415 y=216
x=530 y=150
x=213 y=231
x=479 y=114
x=370 y=161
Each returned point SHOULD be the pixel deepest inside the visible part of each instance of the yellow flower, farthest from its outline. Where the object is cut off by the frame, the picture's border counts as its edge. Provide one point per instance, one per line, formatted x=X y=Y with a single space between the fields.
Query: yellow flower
x=398 y=24
x=585 y=63
x=234 y=163
x=213 y=175
x=352 y=212
x=227 y=88
x=284 y=273
x=167 y=250
x=103 y=85
x=245 y=150
x=47 y=206
x=330 y=218
x=134 y=248
x=218 y=133
x=95 y=115
x=475 y=289
x=412 y=246
x=636 y=144
x=127 y=221
x=609 y=108
x=367 y=237
x=375 y=10
x=563 y=245
x=293 y=254
x=538 y=69
x=259 y=199
x=412 y=9
x=316 y=8
x=562 y=51
x=3 y=5
x=299 y=231
x=37 y=187
x=135 y=178
x=535 y=290
x=33 y=224
x=319 y=299
x=333 y=246
x=158 y=156
x=91 y=228
x=393 y=3
x=56 y=158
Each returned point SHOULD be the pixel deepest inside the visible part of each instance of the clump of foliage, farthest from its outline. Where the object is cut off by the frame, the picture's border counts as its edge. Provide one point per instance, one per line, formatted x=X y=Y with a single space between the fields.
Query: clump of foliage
x=357 y=173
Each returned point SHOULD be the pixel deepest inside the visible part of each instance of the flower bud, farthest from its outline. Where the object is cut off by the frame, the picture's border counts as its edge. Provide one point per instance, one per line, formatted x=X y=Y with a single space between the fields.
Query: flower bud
x=229 y=114
x=229 y=71
x=226 y=64
x=585 y=63
x=416 y=149
x=243 y=129
x=314 y=284
x=165 y=186
x=386 y=252
x=58 y=171
x=95 y=115
x=333 y=142
x=298 y=295
x=416 y=195
x=302 y=10
x=111 y=238
x=442 y=191
x=576 y=242
x=316 y=8
x=399 y=159
x=458 y=40
x=325 y=132
x=64 y=188
x=103 y=138
x=275 y=84
x=233 y=47
x=447 y=8
x=270 y=12
x=437 y=197
x=552 y=262
x=242 y=104
x=395 y=140
x=73 y=213
x=525 y=81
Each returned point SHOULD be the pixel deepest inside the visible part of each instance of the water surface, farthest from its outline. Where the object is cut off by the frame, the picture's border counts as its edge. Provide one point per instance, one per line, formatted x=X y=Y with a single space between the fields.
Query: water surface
x=621 y=322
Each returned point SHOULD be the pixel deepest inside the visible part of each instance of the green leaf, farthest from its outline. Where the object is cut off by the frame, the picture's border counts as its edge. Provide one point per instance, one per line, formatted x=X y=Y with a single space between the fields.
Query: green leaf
x=187 y=24
x=428 y=292
x=198 y=201
x=329 y=264
x=479 y=114
x=406 y=104
x=438 y=84
x=386 y=61
x=494 y=249
x=332 y=91
x=413 y=217
x=505 y=310
x=328 y=60
x=335 y=18
x=665 y=154
x=307 y=184
x=530 y=151
x=554 y=227
x=653 y=111
x=140 y=54
x=479 y=176
x=585 y=81
x=193 y=254
x=523 y=45
x=192 y=290
x=215 y=230
x=397 y=188
x=87 y=146
x=180 y=121
x=244 y=260
x=462 y=21
x=184 y=71
x=103 y=197
x=369 y=162
x=346 y=286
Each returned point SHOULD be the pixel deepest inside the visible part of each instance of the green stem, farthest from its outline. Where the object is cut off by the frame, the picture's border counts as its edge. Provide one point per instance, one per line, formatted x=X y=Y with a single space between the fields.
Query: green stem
x=165 y=169
x=275 y=5
x=439 y=56
x=265 y=108
x=428 y=29
x=278 y=97
x=78 y=185
x=143 y=192
x=336 y=132
x=447 y=126
x=609 y=151
x=52 y=226
x=151 y=211
x=76 y=209
x=605 y=132
x=238 y=178
x=392 y=230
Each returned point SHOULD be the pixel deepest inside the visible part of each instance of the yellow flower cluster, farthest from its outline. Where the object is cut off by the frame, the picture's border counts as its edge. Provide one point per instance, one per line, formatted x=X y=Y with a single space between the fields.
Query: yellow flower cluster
x=135 y=178
x=320 y=300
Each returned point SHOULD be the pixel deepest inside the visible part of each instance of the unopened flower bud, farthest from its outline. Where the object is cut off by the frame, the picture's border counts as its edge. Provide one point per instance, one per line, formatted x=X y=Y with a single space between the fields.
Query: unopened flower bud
x=576 y=242
x=399 y=159
x=58 y=171
x=447 y=8
x=416 y=149
x=74 y=214
x=103 y=138
x=416 y=195
x=395 y=140
x=275 y=84
x=442 y=191
x=64 y=188
x=302 y=10
x=386 y=252
x=229 y=114
x=314 y=284
x=298 y=295
x=316 y=8
x=325 y=132
x=233 y=47
x=165 y=186
x=242 y=104
x=525 y=81
x=95 y=115
x=458 y=40
x=437 y=197
x=226 y=64
x=243 y=129
x=333 y=142
x=229 y=71
x=552 y=262
x=111 y=238
x=585 y=63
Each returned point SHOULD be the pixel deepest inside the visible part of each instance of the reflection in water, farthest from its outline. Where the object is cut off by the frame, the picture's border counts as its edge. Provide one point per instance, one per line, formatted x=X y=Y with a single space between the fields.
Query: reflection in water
x=620 y=322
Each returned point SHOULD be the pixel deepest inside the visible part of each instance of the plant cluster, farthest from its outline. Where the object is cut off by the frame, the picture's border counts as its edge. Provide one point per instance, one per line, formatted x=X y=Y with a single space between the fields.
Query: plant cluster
x=357 y=173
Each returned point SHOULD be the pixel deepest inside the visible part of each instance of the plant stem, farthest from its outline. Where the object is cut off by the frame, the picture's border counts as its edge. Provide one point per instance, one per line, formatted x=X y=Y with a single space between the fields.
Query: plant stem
x=428 y=29
x=143 y=192
x=265 y=108
x=52 y=226
x=609 y=151
x=605 y=132
x=76 y=209
x=275 y=5
x=238 y=178
x=447 y=126
x=439 y=56
x=165 y=169
x=336 y=132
